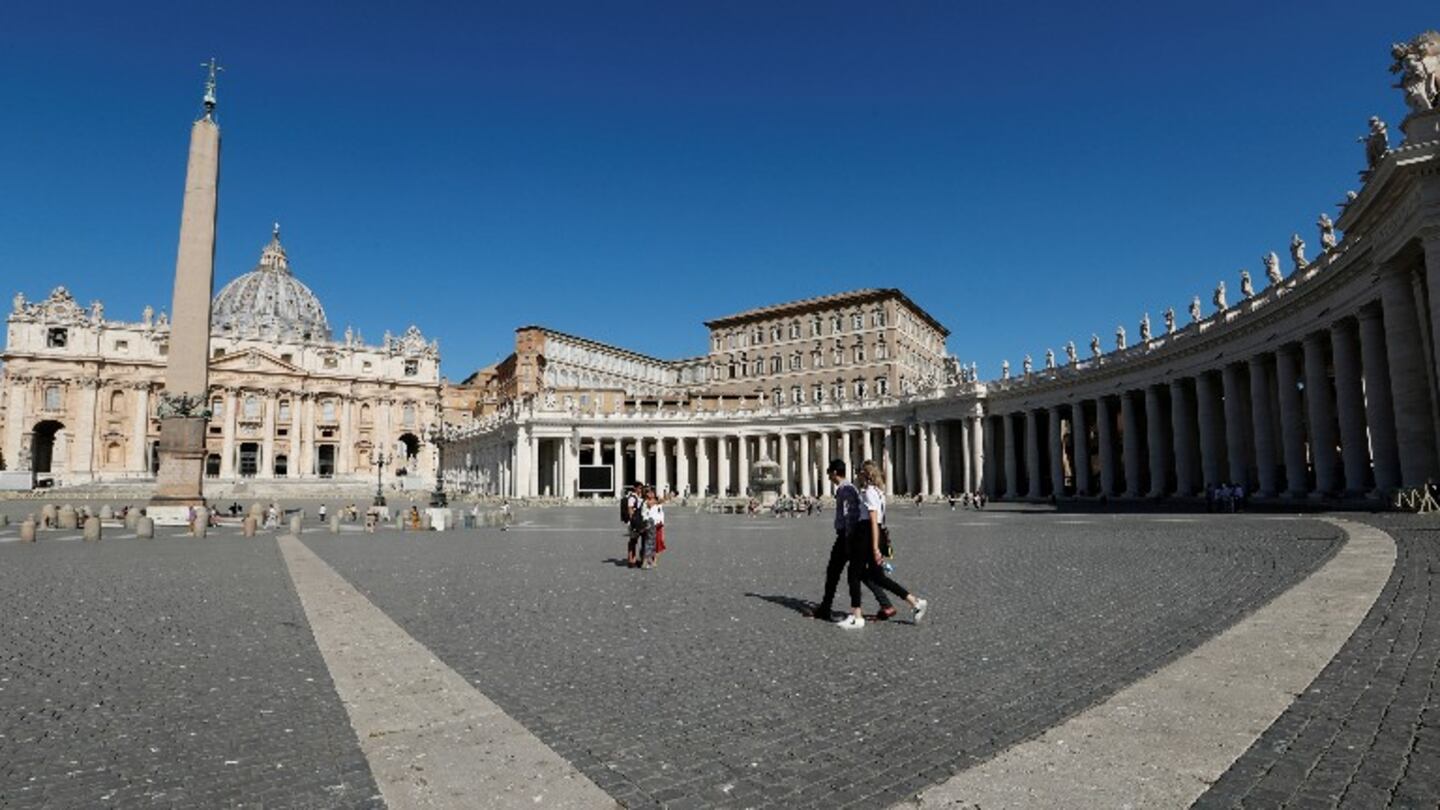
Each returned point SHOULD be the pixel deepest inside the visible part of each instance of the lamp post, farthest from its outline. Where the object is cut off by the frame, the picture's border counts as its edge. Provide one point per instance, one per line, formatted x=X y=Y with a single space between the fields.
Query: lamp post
x=436 y=434
x=380 y=461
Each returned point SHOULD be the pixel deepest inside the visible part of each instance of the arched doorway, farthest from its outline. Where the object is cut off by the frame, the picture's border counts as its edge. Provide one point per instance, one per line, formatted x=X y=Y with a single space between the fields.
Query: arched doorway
x=42 y=447
x=410 y=446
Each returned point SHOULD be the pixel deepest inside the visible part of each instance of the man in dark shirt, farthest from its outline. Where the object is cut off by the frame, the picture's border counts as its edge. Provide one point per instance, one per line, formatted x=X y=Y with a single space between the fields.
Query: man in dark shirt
x=847 y=519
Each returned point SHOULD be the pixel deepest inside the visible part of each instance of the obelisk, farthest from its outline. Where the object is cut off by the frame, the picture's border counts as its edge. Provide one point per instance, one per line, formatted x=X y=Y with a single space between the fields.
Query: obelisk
x=183 y=406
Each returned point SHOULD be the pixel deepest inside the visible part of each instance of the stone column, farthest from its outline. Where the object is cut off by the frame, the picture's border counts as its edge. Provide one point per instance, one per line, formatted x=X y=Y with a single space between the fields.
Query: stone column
x=966 y=473
x=187 y=367
x=978 y=454
x=1080 y=442
x=1409 y=381
x=1012 y=457
x=139 y=429
x=1160 y=463
x=1033 y=487
x=1105 y=436
x=786 y=477
x=662 y=465
x=1130 y=417
x=267 y=441
x=722 y=461
x=18 y=419
x=1262 y=423
x=847 y=452
x=682 y=466
x=1212 y=432
x=1379 y=406
x=868 y=444
x=702 y=465
x=1182 y=432
x=308 y=453
x=888 y=451
x=937 y=467
x=1237 y=421
x=806 y=485
x=642 y=463
x=343 y=454
x=1057 y=453
x=1350 y=404
x=569 y=477
x=1320 y=404
x=617 y=470
x=86 y=429
x=743 y=456
x=1292 y=429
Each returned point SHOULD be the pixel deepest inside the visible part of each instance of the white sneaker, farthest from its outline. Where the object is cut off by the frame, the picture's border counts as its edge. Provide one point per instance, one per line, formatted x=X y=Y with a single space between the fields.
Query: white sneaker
x=851 y=622
x=921 y=605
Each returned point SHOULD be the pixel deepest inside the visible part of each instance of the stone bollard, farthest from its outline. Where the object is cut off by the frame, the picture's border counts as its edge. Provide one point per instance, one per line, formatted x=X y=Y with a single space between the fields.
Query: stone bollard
x=4 y=520
x=92 y=529
x=201 y=523
x=334 y=524
x=296 y=524
x=257 y=511
x=27 y=531
x=67 y=518
x=425 y=523
x=248 y=526
x=107 y=513
x=131 y=518
x=47 y=516
x=145 y=527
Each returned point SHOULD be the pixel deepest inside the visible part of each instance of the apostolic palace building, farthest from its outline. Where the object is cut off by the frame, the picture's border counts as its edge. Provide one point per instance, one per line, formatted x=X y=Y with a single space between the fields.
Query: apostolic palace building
x=1315 y=378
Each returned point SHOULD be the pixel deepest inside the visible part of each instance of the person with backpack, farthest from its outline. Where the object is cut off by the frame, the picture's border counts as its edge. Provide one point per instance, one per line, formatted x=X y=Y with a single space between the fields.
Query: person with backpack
x=868 y=547
x=631 y=513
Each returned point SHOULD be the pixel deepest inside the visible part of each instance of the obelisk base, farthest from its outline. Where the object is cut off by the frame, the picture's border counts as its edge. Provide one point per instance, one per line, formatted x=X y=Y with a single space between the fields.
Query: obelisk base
x=182 y=470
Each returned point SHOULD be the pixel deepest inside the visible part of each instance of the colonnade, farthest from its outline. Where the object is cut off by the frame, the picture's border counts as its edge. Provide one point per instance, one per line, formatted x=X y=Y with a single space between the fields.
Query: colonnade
x=1345 y=409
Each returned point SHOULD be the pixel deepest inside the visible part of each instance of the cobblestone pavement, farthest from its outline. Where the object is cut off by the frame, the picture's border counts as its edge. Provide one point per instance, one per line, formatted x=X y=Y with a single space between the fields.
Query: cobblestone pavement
x=1367 y=732
x=700 y=684
x=164 y=673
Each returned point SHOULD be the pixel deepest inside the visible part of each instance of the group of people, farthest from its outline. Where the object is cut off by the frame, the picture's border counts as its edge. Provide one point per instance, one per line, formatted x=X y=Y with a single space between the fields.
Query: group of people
x=1224 y=498
x=643 y=513
x=967 y=500
x=862 y=543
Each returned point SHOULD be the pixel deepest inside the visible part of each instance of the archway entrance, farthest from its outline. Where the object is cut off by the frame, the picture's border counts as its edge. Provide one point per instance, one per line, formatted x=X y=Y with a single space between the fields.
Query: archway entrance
x=42 y=447
x=325 y=461
x=212 y=466
x=410 y=445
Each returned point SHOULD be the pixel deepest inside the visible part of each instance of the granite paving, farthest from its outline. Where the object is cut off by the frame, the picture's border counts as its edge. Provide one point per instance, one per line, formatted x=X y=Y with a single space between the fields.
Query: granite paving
x=701 y=684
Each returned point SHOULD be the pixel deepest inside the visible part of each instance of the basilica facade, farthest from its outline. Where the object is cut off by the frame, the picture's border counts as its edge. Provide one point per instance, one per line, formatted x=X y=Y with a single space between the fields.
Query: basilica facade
x=79 y=391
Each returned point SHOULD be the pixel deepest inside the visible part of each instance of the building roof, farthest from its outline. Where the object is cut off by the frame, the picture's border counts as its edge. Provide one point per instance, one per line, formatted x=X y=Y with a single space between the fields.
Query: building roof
x=825 y=302
x=269 y=302
x=596 y=344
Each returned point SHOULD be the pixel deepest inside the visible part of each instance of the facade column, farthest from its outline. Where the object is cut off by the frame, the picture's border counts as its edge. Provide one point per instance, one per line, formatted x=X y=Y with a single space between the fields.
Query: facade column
x=920 y=462
x=1057 y=454
x=662 y=465
x=642 y=463
x=1292 y=428
x=1212 y=435
x=722 y=470
x=682 y=467
x=937 y=467
x=1012 y=460
x=1350 y=405
x=1237 y=444
x=1033 y=487
x=966 y=475
x=1155 y=423
x=1105 y=436
x=307 y=435
x=343 y=454
x=786 y=478
x=83 y=461
x=1409 y=380
x=743 y=456
x=1262 y=424
x=267 y=451
x=867 y=444
x=617 y=470
x=1320 y=403
x=806 y=485
x=1182 y=433
x=1080 y=442
x=888 y=451
x=978 y=455
x=1130 y=417
x=227 y=436
x=1379 y=406
x=17 y=419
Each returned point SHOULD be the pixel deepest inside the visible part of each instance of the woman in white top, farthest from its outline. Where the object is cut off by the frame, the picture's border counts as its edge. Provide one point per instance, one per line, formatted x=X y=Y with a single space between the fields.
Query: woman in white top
x=654 y=516
x=865 y=557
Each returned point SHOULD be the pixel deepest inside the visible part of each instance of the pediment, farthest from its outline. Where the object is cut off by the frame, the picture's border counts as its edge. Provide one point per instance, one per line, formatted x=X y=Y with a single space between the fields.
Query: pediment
x=253 y=361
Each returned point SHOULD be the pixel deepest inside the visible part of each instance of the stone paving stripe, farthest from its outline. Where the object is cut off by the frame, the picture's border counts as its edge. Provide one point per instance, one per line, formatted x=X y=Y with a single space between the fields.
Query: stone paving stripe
x=432 y=739
x=1162 y=741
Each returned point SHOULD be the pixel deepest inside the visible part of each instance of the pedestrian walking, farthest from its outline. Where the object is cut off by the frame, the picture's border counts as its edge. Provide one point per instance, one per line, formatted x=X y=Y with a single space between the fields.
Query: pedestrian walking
x=847 y=523
x=650 y=512
x=866 y=558
x=633 y=516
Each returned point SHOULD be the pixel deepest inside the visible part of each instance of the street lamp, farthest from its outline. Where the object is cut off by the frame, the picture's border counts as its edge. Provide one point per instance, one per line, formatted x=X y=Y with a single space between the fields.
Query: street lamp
x=436 y=434
x=380 y=461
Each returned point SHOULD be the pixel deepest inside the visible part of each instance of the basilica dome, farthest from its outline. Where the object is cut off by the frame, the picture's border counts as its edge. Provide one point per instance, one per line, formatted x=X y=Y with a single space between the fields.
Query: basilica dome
x=269 y=302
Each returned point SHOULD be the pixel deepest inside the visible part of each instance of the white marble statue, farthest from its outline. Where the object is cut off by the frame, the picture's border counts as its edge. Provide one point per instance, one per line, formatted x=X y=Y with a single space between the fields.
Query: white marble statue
x=1195 y=309
x=162 y=321
x=1027 y=365
x=1049 y=359
x=1327 y=233
x=18 y=303
x=1297 y=252
x=1272 y=268
x=1071 y=356
x=974 y=371
x=1094 y=345
x=1247 y=287
x=1004 y=369
x=1145 y=328
x=1418 y=64
x=97 y=313
x=349 y=336
x=1219 y=297
x=147 y=316
x=1169 y=320
x=1377 y=143
x=1120 y=337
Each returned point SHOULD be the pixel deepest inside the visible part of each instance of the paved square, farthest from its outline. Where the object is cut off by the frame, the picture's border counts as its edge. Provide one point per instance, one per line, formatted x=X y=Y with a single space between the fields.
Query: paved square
x=184 y=672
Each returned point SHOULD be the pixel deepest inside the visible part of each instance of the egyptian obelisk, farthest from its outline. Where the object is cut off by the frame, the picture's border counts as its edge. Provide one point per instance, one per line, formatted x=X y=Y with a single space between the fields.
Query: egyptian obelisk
x=183 y=407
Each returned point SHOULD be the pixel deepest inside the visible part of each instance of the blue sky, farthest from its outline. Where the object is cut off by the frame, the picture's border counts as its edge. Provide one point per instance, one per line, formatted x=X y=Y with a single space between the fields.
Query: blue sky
x=625 y=170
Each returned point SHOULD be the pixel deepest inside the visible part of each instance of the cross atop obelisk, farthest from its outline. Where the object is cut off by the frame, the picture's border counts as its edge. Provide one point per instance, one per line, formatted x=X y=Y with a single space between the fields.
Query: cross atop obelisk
x=183 y=412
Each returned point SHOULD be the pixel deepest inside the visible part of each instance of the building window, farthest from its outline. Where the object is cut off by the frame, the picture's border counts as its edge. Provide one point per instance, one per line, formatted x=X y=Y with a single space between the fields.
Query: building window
x=776 y=398
x=837 y=391
x=57 y=338
x=252 y=407
x=878 y=317
x=331 y=361
x=882 y=386
x=859 y=389
x=114 y=454
x=412 y=367
x=216 y=354
x=797 y=395
x=117 y=401
x=327 y=410
x=365 y=414
x=880 y=350
x=759 y=336
x=817 y=393
x=759 y=367
x=859 y=351
x=122 y=347
x=287 y=358
x=857 y=321
x=164 y=349
x=794 y=330
x=52 y=397
x=817 y=359
x=815 y=326
x=217 y=408
x=775 y=334
x=284 y=410
x=212 y=466
x=282 y=466
x=837 y=324
x=795 y=362
x=407 y=415
x=838 y=355
x=775 y=365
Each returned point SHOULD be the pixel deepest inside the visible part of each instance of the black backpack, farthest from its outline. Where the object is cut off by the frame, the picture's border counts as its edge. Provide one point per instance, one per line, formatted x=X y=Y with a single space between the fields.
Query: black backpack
x=625 y=509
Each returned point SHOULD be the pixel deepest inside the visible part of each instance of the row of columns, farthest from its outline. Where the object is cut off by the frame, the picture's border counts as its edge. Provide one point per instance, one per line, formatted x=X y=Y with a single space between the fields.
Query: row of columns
x=1346 y=410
